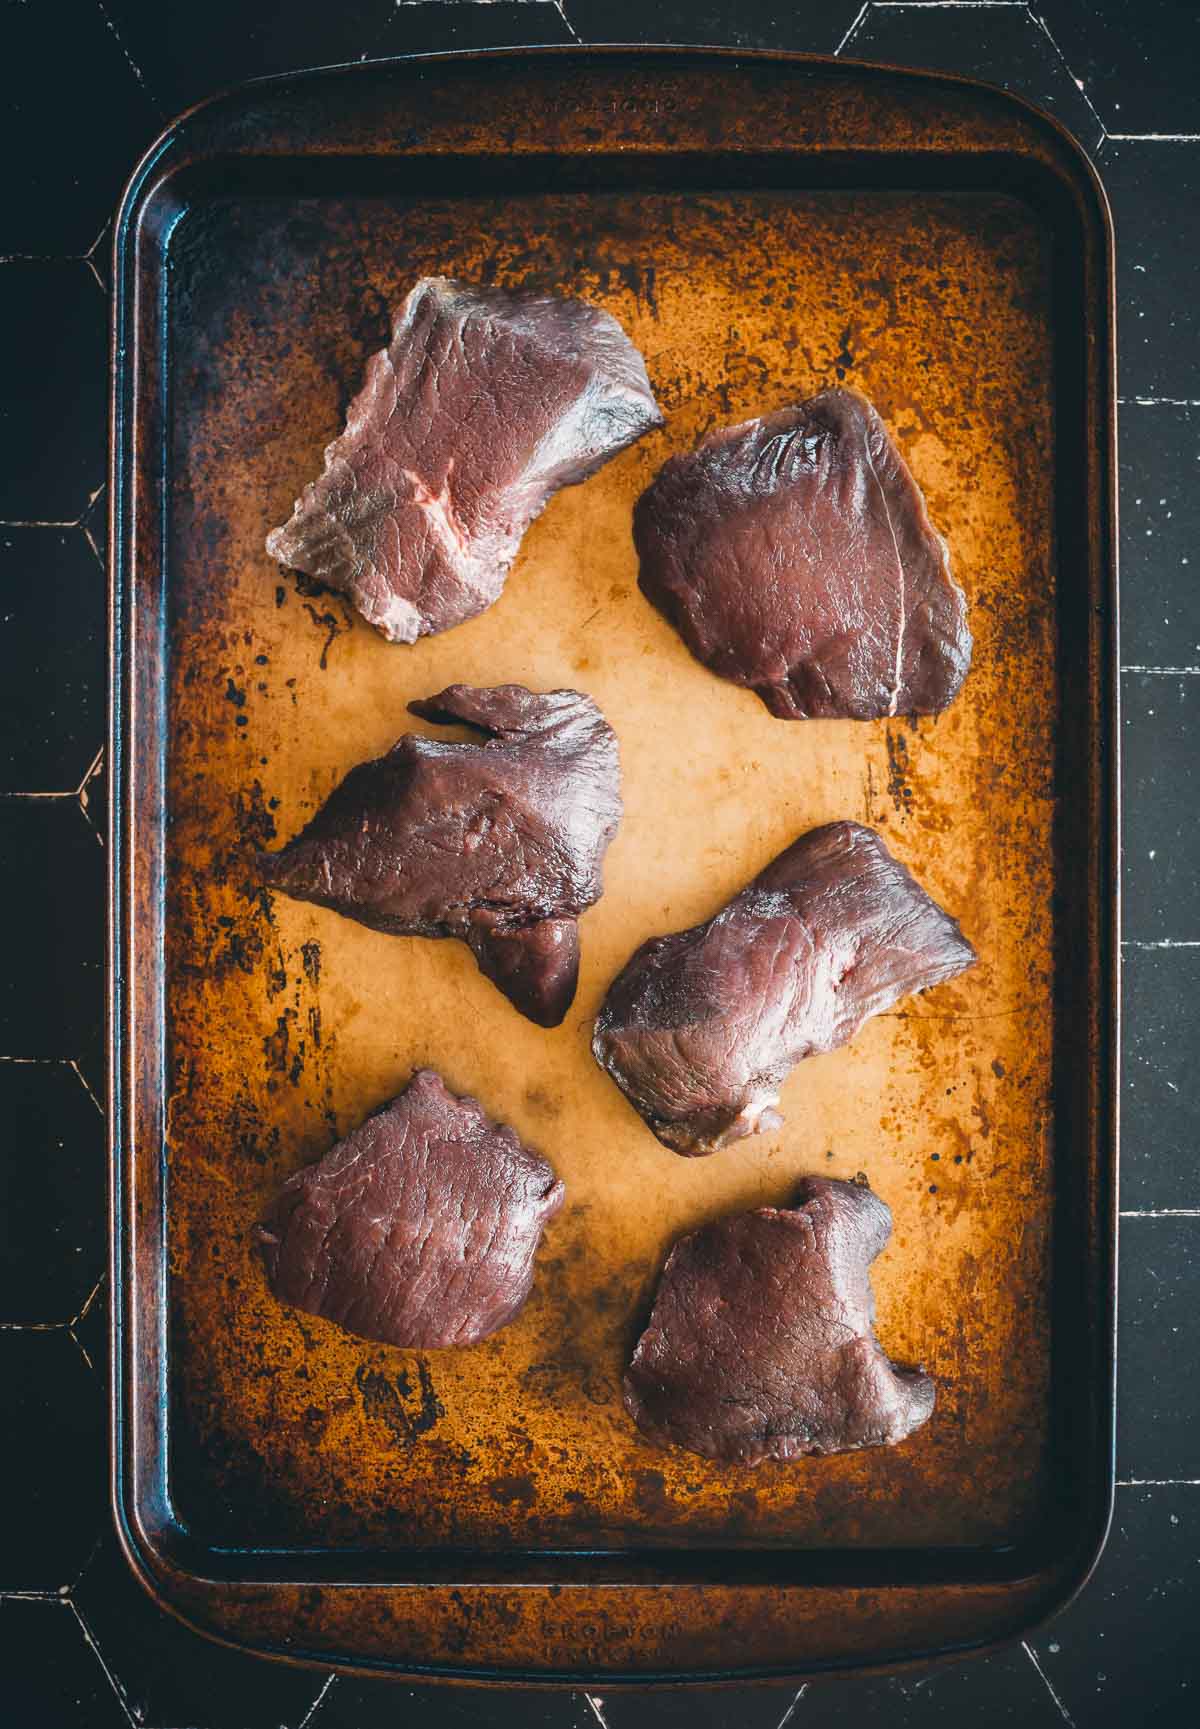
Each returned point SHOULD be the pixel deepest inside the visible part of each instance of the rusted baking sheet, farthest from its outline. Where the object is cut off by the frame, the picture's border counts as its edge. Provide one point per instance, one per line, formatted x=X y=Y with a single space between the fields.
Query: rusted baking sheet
x=763 y=227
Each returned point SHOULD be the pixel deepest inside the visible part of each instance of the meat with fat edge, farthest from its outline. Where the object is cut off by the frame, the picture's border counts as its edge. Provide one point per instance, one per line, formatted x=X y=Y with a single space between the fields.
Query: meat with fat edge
x=483 y=405
x=701 y=1028
x=761 y=1343
x=794 y=555
x=419 y=1229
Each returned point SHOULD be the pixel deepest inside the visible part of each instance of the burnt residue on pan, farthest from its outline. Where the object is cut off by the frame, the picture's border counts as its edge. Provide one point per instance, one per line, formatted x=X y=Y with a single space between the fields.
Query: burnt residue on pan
x=734 y=276
x=749 y=281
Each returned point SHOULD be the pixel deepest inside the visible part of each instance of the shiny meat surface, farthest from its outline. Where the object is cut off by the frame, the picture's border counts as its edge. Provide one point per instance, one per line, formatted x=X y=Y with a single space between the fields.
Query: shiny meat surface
x=794 y=555
x=498 y=843
x=482 y=406
x=761 y=1342
x=419 y=1229
x=701 y=1028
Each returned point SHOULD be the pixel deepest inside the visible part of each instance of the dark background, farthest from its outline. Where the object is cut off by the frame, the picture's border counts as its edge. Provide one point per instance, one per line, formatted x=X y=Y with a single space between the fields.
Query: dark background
x=84 y=86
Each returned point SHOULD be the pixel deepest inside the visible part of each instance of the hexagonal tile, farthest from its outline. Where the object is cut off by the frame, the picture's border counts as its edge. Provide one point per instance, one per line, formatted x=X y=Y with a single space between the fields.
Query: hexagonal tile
x=719 y=23
x=1155 y=193
x=52 y=658
x=985 y=1693
x=53 y=1189
x=1001 y=45
x=1158 y=1394
x=1160 y=1125
x=1125 y=1651
x=75 y=117
x=189 y=52
x=169 y=1675
x=49 y=1676
x=724 y=1708
x=54 y=1448
x=1132 y=59
x=52 y=883
x=54 y=405
x=351 y=1703
x=1160 y=535
x=1161 y=774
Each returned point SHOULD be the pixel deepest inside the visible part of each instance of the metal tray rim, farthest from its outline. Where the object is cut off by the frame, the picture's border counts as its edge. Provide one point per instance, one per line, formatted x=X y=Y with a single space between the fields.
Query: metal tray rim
x=140 y=1541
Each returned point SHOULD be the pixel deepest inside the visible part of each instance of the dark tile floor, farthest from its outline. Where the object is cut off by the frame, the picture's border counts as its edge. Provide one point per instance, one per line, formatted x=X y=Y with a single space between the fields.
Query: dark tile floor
x=86 y=83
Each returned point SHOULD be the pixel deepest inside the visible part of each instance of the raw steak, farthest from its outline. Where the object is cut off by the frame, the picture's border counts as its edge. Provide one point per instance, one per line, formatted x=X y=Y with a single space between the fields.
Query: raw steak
x=484 y=403
x=499 y=843
x=419 y=1229
x=793 y=554
x=701 y=1028
x=761 y=1342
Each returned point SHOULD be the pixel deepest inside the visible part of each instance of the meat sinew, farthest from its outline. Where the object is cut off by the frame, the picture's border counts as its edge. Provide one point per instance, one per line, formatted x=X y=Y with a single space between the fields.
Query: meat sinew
x=499 y=843
x=794 y=555
x=419 y=1229
x=483 y=405
x=700 y=1028
x=761 y=1342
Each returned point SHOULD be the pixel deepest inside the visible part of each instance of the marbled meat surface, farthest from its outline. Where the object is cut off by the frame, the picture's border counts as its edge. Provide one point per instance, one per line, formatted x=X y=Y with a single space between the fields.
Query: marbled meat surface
x=701 y=1028
x=499 y=843
x=419 y=1229
x=761 y=1342
x=793 y=554
x=483 y=404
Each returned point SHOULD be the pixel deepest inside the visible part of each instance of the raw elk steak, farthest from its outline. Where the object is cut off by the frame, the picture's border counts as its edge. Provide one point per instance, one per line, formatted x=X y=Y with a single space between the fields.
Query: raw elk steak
x=483 y=404
x=794 y=555
x=419 y=1229
x=761 y=1344
x=702 y=1027
x=499 y=843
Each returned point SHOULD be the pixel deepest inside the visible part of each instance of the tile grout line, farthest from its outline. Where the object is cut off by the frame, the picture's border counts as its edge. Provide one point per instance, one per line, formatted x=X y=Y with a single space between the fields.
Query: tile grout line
x=854 y=28
x=791 y=1710
x=90 y=772
x=597 y=1709
x=80 y=1346
x=73 y=1065
x=1041 y=24
x=66 y=1326
x=1154 y=137
x=12 y=523
x=1062 y=1710
x=87 y=1302
x=1158 y=1482
x=1158 y=402
x=90 y=1640
x=104 y=228
x=77 y=1581
x=1161 y=1213
x=317 y=1702
x=560 y=8
x=1164 y=671
x=1160 y=943
x=133 y=65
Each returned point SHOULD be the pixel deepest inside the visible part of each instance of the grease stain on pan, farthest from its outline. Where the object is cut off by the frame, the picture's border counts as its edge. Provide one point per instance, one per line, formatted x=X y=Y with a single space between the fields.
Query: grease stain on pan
x=288 y=1024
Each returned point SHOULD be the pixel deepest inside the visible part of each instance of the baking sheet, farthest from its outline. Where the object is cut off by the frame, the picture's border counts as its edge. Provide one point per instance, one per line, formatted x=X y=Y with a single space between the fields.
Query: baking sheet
x=284 y=1024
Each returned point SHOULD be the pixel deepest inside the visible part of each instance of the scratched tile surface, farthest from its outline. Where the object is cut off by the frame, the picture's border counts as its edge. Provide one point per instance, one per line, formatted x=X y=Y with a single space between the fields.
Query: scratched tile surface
x=85 y=86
